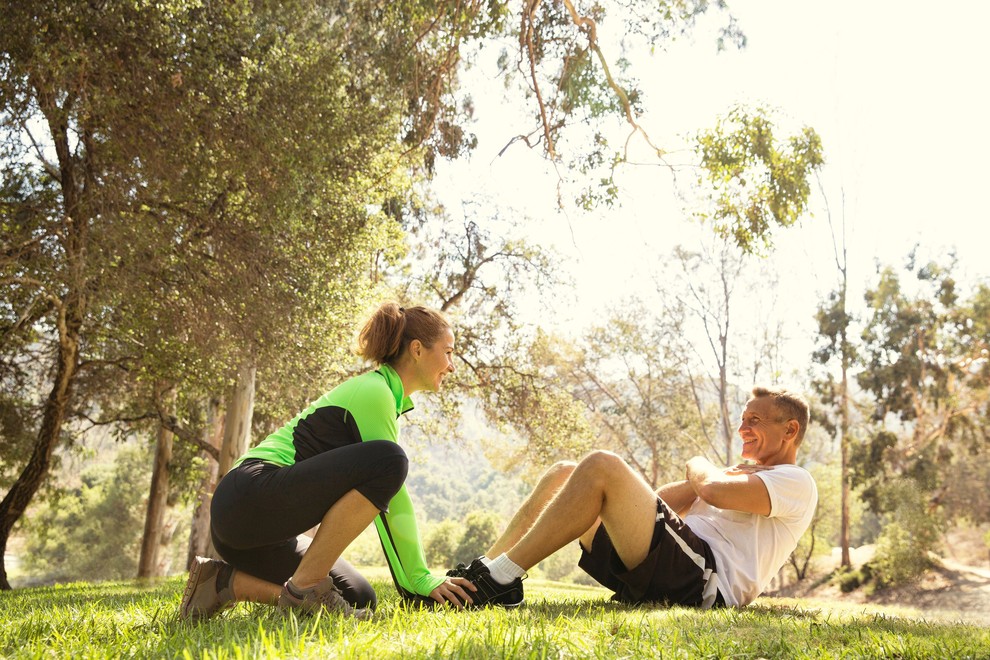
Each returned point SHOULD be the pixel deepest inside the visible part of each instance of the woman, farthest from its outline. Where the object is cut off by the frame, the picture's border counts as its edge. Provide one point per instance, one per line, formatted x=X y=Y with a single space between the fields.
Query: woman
x=337 y=464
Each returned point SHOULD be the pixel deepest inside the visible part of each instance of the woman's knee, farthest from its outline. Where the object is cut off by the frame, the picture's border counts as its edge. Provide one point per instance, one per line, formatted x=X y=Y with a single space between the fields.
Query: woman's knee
x=354 y=587
x=391 y=462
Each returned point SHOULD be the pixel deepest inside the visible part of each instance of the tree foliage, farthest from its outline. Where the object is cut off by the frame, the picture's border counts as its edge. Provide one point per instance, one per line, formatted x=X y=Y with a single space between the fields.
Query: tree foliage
x=573 y=59
x=93 y=531
x=755 y=179
x=921 y=462
x=923 y=365
x=908 y=538
x=183 y=181
x=629 y=374
x=472 y=268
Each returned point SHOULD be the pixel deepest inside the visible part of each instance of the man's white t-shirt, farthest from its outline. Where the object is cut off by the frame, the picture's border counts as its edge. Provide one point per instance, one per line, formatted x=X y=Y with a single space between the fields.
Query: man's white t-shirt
x=749 y=548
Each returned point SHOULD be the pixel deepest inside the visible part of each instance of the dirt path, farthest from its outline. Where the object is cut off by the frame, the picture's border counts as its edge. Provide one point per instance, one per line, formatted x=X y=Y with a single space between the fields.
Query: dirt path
x=953 y=592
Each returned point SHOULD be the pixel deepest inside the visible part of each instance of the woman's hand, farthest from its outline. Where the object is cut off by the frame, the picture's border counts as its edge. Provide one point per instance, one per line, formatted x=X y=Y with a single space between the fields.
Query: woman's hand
x=454 y=590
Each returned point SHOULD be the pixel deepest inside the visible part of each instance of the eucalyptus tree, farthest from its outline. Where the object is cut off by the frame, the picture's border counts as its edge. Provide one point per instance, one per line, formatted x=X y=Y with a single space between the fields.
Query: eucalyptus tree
x=187 y=186
x=753 y=179
x=924 y=351
x=632 y=376
x=467 y=263
x=835 y=348
x=922 y=464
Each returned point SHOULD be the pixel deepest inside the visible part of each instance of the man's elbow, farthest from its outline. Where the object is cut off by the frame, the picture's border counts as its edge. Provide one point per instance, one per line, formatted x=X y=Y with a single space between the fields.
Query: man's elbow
x=708 y=492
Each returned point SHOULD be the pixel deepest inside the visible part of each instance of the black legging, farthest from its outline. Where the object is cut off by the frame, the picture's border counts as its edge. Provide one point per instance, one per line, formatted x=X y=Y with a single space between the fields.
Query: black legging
x=260 y=510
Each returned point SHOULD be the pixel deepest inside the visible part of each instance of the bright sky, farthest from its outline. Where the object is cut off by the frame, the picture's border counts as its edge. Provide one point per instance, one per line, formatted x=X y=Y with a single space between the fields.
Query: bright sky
x=896 y=90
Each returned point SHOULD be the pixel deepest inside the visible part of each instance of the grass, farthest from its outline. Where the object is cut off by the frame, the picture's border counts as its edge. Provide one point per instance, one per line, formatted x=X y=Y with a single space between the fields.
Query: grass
x=133 y=619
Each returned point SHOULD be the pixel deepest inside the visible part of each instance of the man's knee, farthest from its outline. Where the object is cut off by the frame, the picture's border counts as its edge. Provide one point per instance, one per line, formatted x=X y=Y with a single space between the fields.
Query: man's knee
x=602 y=460
x=559 y=472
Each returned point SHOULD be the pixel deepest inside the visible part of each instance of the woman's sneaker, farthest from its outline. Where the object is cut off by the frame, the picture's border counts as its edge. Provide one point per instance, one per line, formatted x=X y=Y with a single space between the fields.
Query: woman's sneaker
x=203 y=598
x=489 y=591
x=324 y=596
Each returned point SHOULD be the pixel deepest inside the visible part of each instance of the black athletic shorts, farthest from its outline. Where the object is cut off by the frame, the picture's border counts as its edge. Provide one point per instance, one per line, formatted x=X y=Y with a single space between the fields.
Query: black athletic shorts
x=679 y=570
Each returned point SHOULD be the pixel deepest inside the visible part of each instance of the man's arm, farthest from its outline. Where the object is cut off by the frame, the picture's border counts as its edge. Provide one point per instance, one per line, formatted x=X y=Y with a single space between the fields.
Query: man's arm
x=733 y=489
x=678 y=495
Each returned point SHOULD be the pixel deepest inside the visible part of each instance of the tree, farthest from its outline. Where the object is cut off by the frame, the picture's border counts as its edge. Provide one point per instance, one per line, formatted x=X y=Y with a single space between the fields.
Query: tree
x=630 y=375
x=200 y=542
x=922 y=366
x=480 y=529
x=440 y=544
x=92 y=530
x=710 y=278
x=152 y=144
x=818 y=539
x=834 y=322
x=575 y=86
x=751 y=180
x=472 y=269
x=154 y=520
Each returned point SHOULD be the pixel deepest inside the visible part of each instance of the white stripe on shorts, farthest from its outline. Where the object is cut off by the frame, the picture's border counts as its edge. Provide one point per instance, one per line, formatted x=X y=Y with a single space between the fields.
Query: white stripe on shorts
x=711 y=584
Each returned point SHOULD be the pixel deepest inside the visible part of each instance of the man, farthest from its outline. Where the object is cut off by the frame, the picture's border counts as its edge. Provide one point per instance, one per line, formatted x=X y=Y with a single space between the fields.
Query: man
x=717 y=538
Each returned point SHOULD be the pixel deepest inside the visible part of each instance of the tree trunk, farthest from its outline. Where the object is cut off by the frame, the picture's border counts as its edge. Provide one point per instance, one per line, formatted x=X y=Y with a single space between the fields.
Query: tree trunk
x=154 y=521
x=237 y=421
x=71 y=310
x=200 y=544
x=723 y=365
x=53 y=415
x=723 y=404
x=846 y=560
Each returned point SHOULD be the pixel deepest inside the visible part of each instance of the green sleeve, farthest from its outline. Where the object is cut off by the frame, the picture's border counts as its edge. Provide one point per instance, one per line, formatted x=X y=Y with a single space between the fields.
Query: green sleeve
x=399 y=534
x=373 y=408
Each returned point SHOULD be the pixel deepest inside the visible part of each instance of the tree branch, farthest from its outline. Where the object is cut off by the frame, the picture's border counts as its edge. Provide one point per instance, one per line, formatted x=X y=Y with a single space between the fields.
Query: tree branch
x=526 y=41
x=171 y=423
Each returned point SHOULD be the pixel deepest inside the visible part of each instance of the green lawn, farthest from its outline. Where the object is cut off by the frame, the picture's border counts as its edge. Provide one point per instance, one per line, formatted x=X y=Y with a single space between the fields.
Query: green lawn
x=130 y=619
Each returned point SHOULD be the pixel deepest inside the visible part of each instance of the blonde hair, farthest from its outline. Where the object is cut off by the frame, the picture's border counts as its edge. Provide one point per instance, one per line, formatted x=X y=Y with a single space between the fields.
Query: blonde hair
x=387 y=334
x=789 y=404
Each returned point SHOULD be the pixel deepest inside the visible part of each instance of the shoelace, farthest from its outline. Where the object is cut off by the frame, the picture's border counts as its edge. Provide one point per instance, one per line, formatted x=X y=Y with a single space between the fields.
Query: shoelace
x=335 y=599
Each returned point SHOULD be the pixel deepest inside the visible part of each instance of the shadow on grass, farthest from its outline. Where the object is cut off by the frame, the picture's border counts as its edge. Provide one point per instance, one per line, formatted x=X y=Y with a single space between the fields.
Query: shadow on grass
x=78 y=594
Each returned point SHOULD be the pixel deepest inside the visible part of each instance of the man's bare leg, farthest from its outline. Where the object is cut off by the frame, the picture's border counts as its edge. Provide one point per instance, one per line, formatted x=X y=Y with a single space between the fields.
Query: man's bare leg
x=601 y=486
x=546 y=489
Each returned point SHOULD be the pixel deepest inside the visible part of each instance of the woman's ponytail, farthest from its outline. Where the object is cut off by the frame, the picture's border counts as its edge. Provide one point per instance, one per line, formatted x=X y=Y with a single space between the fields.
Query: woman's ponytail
x=390 y=329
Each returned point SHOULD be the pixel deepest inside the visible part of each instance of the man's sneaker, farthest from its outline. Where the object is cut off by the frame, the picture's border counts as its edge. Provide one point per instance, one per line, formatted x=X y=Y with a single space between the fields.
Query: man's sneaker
x=324 y=596
x=491 y=592
x=202 y=599
x=415 y=601
x=460 y=570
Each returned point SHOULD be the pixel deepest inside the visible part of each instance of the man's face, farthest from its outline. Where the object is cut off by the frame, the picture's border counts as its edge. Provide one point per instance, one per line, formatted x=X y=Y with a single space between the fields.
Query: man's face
x=768 y=437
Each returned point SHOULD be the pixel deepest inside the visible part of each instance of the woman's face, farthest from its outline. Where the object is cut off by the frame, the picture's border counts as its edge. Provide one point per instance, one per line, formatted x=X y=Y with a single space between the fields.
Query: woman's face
x=436 y=362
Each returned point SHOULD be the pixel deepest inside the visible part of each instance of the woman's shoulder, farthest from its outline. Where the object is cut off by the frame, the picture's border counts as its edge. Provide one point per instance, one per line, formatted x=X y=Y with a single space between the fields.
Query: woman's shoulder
x=369 y=386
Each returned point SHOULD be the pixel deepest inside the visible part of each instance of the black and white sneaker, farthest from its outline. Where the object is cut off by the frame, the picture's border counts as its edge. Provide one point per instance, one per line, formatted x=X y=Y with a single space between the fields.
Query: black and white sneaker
x=461 y=570
x=489 y=591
